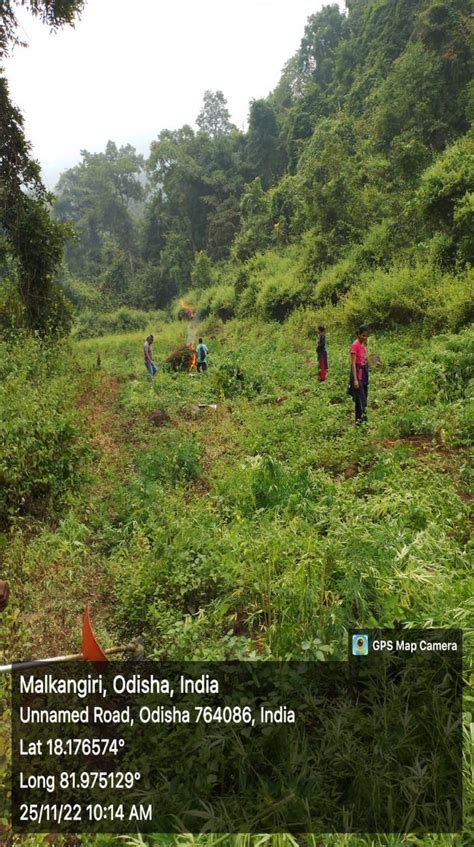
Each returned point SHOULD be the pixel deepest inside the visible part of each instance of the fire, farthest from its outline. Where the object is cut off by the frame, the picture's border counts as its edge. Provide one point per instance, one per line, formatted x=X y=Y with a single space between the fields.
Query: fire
x=189 y=312
x=194 y=360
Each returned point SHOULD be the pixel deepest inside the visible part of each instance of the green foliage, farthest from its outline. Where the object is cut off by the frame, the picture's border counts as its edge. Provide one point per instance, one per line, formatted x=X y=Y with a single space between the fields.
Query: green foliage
x=214 y=117
x=336 y=279
x=261 y=524
x=255 y=229
x=262 y=150
x=330 y=175
x=12 y=310
x=404 y=295
x=229 y=380
x=33 y=241
x=97 y=195
x=91 y=324
x=409 y=101
x=297 y=530
x=287 y=210
x=199 y=179
x=322 y=35
x=274 y=285
x=175 y=460
x=277 y=298
x=266 y=527
x=54 y=14
x=444 y=198
x=220 y=300
x=83 y=295
x=361 y=156
x=201 y=274
x=41 y=447
x=151 y=288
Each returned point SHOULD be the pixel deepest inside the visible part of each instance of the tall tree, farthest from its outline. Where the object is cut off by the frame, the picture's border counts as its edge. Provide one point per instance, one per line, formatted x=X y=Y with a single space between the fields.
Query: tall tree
x=214 y=117
x=98 y=196
x=263 y=152
x=32 y=239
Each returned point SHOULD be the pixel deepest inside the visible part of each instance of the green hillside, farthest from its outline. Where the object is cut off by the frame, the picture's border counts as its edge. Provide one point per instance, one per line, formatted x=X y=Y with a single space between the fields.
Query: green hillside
x=240 y=514
x=359 y=163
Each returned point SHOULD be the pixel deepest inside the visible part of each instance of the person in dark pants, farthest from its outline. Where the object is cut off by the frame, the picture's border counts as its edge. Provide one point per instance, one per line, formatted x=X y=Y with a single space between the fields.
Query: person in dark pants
x=359 y=376
x=321 y=354
x=148 y=353
x=202 y=353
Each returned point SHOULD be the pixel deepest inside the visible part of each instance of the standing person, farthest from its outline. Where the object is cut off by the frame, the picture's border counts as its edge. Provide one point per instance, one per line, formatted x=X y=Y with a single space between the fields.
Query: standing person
x=359 y=376
x=321 y=353
x=202 y=354
x=4 y=592
x=148 y=353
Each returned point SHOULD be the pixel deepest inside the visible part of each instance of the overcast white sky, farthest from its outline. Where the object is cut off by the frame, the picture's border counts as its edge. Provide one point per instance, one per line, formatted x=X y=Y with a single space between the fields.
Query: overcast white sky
x=130 y=68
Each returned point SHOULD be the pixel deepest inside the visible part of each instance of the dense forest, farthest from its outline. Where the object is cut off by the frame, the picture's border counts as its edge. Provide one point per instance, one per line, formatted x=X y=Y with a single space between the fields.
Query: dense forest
x=240 y=514
x=360 y=161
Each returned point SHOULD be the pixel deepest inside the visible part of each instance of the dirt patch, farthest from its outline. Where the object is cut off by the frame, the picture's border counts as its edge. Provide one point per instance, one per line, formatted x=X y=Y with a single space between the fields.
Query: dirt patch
x=427 y=447
x=198 y=487
x=58 y=590
x=99 y=405
x=159 y=418
x=420 y=443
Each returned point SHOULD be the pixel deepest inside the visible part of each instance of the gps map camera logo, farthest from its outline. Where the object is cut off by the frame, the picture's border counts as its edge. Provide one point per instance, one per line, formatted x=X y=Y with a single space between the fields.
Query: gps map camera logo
x=360 y=645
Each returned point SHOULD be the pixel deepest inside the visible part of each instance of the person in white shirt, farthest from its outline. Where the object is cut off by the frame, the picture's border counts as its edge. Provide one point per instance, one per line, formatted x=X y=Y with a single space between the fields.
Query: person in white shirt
x=202 y=353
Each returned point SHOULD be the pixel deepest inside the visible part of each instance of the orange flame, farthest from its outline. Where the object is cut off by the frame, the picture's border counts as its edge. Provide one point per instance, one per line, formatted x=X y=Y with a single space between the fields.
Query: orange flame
x=194 y=360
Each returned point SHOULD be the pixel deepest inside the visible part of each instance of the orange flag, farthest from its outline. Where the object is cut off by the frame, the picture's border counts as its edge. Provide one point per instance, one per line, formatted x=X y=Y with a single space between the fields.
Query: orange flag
x=91 y=649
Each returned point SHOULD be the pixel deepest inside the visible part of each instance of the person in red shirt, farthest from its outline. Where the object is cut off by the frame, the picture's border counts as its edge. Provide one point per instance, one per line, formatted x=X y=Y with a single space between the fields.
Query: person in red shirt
x=359 y=376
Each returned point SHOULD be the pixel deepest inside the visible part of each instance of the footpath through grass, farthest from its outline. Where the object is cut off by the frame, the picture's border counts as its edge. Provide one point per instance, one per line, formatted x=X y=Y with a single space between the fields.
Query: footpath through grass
x=265 y=527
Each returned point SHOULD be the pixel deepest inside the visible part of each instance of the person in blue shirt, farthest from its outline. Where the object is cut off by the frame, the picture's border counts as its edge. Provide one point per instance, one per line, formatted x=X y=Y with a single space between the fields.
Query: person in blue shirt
x=202 y=354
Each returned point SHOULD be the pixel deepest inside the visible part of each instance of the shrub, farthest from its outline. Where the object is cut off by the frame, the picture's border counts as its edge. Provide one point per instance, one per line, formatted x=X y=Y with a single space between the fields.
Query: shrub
x=40 y=447
x=84 y=295
x=202 y=273
x=12 y=310
x=174 y=460
x=336 y=281
x=388 y=298
x=276 y=300
x=220 y=300
x=223 y=302
x=230 y=380
x=93 y=324
x=410 y=294
x=451 y=305
x=276 y=279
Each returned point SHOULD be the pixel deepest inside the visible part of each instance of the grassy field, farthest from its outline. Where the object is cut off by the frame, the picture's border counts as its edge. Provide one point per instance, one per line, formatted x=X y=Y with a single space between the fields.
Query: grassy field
x=260 y=525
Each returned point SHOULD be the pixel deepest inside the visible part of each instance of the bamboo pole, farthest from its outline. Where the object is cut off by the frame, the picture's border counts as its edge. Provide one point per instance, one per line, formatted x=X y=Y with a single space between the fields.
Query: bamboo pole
x=134 y=648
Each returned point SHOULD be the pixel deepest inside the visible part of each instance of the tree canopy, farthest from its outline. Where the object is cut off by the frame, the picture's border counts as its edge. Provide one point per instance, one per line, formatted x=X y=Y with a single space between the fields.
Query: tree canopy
x=32 y=244
x=352 y=158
